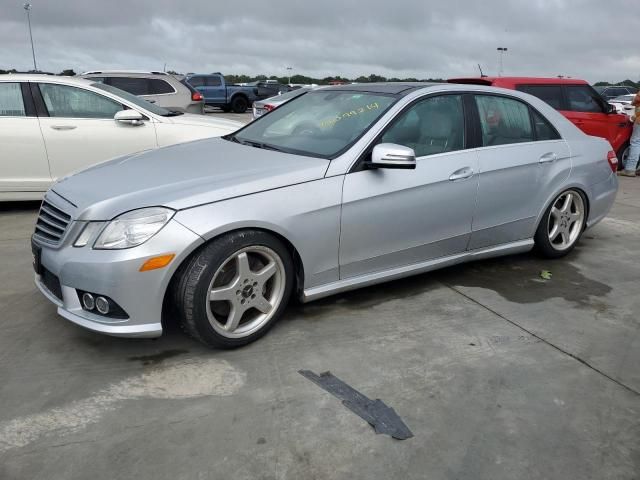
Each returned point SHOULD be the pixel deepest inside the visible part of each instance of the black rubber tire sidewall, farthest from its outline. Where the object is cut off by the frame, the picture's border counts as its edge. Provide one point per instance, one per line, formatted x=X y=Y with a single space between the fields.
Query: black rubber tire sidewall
x=239 y=105
x=541 y=238
x=192 y=286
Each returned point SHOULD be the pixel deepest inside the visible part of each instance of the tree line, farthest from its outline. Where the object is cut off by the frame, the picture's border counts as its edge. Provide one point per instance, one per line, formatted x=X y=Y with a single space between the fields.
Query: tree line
x=303 y=79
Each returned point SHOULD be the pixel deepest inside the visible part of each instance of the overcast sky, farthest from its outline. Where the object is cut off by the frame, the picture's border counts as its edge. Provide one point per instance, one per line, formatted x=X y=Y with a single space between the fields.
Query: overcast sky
x=591 y=39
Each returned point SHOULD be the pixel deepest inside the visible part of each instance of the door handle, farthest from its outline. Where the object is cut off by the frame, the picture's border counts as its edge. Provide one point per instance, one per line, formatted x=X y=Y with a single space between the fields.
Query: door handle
x=63 y=127
x=548 y=158
x=463 y=173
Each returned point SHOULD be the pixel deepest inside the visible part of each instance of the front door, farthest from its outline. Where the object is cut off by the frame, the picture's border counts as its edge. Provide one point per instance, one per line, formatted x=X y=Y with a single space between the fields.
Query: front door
x=80 y=131
x=393 y=218
x=23 y=158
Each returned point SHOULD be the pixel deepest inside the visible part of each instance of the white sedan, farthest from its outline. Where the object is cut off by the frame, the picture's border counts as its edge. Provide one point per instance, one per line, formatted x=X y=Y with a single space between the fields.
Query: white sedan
x=52 y=126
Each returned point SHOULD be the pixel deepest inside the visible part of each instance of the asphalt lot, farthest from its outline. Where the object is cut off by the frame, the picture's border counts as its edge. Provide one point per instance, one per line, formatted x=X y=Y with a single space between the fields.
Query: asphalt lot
x=499 y=374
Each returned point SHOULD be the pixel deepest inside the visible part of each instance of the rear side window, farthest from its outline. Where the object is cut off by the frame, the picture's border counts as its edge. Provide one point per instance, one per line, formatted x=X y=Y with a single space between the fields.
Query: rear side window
x=503 y=120
x=196 y=81
x=552 y=94
x=11 y=104
x=159 y=87
x=543 y=128
x=213 y=81
x=135 y=86
x=581 y=98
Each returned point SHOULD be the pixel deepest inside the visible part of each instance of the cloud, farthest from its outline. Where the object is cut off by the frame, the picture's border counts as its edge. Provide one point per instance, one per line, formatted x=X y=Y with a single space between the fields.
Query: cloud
x=589 y=39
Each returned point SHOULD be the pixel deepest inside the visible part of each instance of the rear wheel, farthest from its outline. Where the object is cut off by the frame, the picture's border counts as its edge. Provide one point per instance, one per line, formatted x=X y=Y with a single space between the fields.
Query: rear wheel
x=239 y=104
x=233 y=290
x=562 y=224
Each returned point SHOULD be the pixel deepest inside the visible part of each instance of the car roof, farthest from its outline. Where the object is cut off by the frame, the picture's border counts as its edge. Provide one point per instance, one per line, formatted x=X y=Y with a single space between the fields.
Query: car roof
x=393 y=88
x=517 y=80
x=40 y=77
x=124 y=72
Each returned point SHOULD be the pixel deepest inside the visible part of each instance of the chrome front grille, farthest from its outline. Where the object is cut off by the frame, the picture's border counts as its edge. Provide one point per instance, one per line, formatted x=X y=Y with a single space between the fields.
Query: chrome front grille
x=52 y=223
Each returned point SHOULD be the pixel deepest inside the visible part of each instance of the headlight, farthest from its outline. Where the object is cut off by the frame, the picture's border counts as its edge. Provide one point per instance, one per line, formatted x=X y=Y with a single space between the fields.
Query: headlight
x=133 y=228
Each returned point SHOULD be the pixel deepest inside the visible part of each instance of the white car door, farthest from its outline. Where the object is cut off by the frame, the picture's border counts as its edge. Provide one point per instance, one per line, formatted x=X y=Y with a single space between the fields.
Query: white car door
x=80 y=130
x=24 y=170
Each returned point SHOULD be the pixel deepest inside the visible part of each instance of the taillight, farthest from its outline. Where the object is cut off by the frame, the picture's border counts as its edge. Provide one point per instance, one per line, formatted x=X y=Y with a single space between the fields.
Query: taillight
x=268 y=107
x=196 y=96
x=613 y=160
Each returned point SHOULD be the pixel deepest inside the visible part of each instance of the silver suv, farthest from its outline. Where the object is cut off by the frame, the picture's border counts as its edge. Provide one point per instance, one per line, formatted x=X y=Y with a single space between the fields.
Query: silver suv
x=160 y=88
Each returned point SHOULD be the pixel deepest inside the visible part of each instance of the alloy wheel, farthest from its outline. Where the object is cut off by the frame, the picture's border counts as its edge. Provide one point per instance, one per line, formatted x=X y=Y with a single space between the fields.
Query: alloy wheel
x=566 y=219
x=245 y=291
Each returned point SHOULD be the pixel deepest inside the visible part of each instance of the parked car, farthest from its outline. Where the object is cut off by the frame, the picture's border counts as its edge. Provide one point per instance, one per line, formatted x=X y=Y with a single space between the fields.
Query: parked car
x=576 y=100
x=393 y=180
x=51 y=126
x=269 y=88
x=218 y=93
x=260 y=107
x=613 y=91
x=160 y=88
x=623 y=104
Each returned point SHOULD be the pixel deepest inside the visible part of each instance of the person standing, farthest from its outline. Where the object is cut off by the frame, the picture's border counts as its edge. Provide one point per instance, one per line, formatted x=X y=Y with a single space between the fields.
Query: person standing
x=631 y=163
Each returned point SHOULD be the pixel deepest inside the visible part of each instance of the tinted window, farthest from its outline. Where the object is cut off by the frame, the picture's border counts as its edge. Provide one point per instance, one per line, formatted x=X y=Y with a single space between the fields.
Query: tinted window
x=136 y=86
x=503 y=120
x=139 y=102
x=159 y=87
x=552 y=94
x=544 y=129
x=11 y=104
x=213 y=81
x=431 y=126
x=197 y=81
x=582 y=98
x=72 y=102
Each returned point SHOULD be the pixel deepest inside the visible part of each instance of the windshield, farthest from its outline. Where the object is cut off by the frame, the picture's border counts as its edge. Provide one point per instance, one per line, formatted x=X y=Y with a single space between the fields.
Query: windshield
x=133 y=99
x=319 y=124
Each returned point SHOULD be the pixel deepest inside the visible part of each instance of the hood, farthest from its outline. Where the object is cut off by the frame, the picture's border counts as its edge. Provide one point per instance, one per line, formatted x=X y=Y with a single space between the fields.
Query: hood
x=206 y=121
x=182 y=176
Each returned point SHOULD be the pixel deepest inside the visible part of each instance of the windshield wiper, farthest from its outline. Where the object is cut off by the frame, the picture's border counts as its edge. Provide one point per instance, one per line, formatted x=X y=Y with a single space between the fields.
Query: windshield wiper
x=264 y=146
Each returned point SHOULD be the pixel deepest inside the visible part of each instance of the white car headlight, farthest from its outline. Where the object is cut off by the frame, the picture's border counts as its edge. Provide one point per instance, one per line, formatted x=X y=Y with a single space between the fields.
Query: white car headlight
x=133 y=228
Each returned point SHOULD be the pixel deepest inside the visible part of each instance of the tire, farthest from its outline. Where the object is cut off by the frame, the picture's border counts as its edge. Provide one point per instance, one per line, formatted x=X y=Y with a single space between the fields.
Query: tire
x=562 y=224
x=239 y=104
x=621 y=153
x=239 y=314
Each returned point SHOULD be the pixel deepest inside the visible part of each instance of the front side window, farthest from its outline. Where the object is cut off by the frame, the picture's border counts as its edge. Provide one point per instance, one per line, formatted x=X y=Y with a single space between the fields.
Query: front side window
x=135 y=86
x=319 y=124
x=503 y=120
x=582 y=99
x=431 y=126
x=11 y=104
x=137 y=101
x=73 y=102
x=552 y=94
x=213 y=81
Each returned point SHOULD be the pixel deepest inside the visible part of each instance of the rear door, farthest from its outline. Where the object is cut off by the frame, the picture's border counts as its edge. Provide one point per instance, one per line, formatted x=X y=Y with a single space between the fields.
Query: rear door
x=521 y=157
x=79 y=129
x=586 y=109
x=23 y=158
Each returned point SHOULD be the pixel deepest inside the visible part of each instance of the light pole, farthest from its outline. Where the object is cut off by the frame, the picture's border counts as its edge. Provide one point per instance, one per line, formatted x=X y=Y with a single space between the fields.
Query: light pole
x=289 y=71
x=27 y=8
x=502 y=50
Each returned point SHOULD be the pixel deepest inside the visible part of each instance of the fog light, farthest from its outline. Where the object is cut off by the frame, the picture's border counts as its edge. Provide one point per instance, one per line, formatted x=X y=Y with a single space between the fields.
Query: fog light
x=88 y=301
x=102 y=305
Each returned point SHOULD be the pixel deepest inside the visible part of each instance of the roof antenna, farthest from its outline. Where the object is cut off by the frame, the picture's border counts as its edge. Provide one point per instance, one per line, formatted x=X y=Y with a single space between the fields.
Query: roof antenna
x=482 y=75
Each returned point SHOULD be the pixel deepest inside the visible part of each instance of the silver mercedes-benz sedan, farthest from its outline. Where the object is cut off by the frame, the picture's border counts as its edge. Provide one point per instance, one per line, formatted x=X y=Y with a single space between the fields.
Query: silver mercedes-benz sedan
x=340 y=188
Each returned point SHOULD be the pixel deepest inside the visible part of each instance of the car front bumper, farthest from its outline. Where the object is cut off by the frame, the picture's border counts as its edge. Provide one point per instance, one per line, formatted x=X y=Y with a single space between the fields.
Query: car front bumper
x=115 y=274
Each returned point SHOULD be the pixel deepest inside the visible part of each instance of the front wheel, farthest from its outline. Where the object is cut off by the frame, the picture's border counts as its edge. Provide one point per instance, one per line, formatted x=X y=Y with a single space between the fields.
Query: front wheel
x=232 y=291
x=622 y=155
x=562 y=224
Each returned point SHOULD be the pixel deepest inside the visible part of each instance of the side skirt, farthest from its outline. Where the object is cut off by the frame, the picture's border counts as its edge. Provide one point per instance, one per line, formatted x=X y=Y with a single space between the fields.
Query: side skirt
x=314 y=293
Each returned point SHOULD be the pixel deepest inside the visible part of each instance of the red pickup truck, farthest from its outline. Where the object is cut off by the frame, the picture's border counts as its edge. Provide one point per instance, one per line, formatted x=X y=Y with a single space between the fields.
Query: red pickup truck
x=576 y=100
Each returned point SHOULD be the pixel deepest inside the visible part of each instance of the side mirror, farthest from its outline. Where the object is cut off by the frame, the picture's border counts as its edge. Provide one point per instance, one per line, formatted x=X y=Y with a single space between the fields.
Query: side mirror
x=391 y=155
x=132 y=117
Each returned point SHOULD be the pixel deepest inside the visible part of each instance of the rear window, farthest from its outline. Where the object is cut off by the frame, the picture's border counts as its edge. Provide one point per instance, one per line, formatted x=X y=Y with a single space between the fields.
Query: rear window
x=551 y=94
x=135 y=86
x=159 y=87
